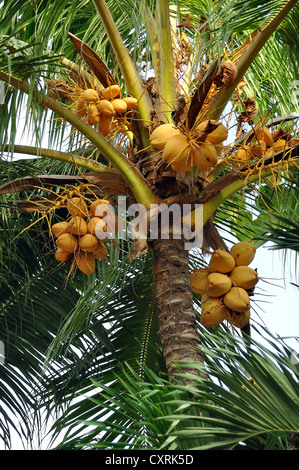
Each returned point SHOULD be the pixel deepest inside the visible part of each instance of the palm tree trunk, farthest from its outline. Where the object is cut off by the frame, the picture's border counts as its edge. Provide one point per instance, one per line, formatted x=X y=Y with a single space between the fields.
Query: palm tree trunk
x=174 y=304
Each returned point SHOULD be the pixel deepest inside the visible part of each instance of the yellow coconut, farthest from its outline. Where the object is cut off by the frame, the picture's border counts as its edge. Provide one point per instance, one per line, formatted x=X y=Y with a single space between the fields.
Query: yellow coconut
x=104 y=125
x=182 y=167
x=213 y=311
x=61 y=255
x=81 y=108
x=85 y=262
x=279 y=145
x=90 y=95
x=263 y=133
x=77 y=206
x=98 y=227
x=199 y=280
x=59 y=228
x=204 y=155
x=105 y=107
x=243 y=253
x=119 y=105
x=67 y=242
x=244 y=154
x=160 y=136
x=78 y=226
x=219 y=148
x=218 y=135
x=101 y=252
x=176 y=150
x=237 y=299
x=259 y=148
x=130 y=102
x=93 y=114
x=218 y=284
x=244 y=276
x=111 y=92
x=98 y=209
x=89 y=243
x=237 y=319
x=221 y=262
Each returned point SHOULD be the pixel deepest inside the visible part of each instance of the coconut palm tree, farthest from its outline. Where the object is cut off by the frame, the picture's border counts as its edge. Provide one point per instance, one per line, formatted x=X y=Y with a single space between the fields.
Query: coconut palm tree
x=200 y=69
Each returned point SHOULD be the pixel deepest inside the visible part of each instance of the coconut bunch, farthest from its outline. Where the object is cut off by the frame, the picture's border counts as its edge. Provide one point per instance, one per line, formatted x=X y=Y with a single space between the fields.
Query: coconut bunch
x=76 y=238
x=105 y=108
x=184 y=149
x=226 y=285
x=265 y=143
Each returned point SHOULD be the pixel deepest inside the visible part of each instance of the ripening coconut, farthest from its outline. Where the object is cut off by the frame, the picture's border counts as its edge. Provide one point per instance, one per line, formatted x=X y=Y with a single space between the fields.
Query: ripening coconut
x=237 y=319
x=89 y=243
x=176 y=150
x=78 y=226
x=61 y=255
x=85 y=262
x=76 y=206
x=93 y=114
x=259 y=148
x=243 y=253
x=244 y=154
x=244 y=276
x=199 y=280
x=59 y=228
x=104 y=125
x=97 y=227
x=218 y=135
x=80 y=108
x=98 y=209
x=218 y=284
x=90 y=95
x=130 y=102
x=101 y=252
x=182 y=166
x=263 y=133
x=204 y=155
x=213 y=311
x=237 y=299
x=105 y=107
x=279 y=145
x=119 y=105
x=67 y=242
x=221 y=262
x=111 y=92
x=160 y=136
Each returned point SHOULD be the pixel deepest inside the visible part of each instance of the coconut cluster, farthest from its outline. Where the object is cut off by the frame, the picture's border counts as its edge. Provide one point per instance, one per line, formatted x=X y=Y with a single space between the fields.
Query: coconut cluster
x=76 y=238
x=264 y=143
x=183 y=150
x=105 y=108
x=225 y=286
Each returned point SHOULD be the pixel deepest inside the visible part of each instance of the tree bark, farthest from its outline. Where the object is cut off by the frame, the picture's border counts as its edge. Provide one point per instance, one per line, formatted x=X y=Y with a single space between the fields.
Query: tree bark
x=174 y=304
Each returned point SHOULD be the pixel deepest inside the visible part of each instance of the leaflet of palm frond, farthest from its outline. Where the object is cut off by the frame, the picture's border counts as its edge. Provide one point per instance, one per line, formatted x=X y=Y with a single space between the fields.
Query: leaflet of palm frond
x=110 y=182
x=201 y=93
x=93 y=61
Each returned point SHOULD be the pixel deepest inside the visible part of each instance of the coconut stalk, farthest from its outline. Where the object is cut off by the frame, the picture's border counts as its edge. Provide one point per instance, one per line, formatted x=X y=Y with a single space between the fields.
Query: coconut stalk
x=128 y=171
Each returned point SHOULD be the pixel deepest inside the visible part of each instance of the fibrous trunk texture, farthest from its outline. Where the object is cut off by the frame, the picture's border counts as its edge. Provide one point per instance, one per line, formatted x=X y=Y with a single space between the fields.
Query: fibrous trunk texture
x=174 y=304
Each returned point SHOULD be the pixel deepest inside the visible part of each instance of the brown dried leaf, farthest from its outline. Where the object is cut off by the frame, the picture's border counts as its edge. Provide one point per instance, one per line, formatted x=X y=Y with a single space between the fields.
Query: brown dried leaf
x=227 y=74
x=59 y=89
x=250 y=111
x=93 y=61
